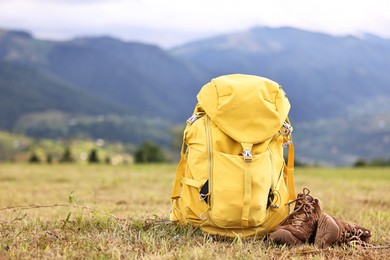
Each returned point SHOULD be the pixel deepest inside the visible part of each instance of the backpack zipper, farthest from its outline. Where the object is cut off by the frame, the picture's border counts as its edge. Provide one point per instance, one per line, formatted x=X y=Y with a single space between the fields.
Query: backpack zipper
x=209 y=156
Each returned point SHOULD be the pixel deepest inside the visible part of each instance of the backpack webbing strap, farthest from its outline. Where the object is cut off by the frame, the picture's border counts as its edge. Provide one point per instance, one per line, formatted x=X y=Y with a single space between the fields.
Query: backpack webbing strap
x=247 y=151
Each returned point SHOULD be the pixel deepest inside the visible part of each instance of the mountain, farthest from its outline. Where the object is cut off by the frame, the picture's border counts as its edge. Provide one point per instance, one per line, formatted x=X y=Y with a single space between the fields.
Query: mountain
x=362 y=132
x=27 y=90
x=101 y=87
x=144 y=78
x=320 y=73
x=339 y=87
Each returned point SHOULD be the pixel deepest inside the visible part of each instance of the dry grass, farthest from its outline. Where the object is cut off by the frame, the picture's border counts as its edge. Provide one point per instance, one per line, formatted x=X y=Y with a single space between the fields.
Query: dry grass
x=105 y=212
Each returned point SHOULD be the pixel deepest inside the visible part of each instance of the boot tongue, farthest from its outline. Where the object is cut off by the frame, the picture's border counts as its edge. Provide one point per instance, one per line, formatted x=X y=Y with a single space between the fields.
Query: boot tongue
x=299 y=219
x=309 y=198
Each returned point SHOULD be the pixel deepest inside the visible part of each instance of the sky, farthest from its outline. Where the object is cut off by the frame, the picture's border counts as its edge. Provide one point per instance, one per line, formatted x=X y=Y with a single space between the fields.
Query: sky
x=168 y=23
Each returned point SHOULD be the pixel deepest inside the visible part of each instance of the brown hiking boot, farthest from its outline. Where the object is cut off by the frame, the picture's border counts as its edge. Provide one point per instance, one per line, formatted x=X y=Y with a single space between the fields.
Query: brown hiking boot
x=333 y=231
x=300 y=225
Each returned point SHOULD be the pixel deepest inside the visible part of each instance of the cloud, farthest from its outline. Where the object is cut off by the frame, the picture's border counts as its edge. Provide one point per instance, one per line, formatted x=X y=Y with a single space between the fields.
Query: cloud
x=59 y=1
x=198 y=17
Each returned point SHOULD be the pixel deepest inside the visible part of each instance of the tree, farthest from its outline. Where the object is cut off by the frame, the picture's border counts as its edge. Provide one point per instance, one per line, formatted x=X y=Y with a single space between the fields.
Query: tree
x=376 y=162
x=67 y=156
x=107 y=159
x=34 y=158
x=149 y=152
x=49 y=158
x=360 y=163
x=93 y=156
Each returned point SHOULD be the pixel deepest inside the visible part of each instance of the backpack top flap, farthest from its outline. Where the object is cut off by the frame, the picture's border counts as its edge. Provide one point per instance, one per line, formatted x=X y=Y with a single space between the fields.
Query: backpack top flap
x=249 y=109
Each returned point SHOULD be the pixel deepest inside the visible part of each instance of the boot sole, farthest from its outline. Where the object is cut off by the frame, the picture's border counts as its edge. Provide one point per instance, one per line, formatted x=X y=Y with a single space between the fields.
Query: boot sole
x=327 y=231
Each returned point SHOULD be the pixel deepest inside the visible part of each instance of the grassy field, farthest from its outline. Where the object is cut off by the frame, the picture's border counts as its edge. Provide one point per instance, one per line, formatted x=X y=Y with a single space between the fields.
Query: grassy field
x=120 y=212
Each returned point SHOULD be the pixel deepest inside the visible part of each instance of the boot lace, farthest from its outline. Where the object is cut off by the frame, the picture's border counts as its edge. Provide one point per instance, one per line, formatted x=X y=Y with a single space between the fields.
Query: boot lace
x=353 y=236
x=302 y=210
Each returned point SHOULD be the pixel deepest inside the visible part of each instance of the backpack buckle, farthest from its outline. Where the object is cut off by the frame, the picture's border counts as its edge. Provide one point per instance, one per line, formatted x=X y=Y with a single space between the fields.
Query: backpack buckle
x=247 y=151
x=286 y=129
x=287 y=144
x=247 y=155
x=193 y=118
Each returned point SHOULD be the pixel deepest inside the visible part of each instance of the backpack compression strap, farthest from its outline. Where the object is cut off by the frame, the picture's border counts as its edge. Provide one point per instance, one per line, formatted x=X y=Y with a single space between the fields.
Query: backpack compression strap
x=289 y=171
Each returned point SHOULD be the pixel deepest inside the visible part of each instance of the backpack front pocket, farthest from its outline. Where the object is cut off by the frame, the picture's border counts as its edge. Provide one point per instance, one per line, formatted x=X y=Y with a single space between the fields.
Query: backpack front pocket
x=230 y=189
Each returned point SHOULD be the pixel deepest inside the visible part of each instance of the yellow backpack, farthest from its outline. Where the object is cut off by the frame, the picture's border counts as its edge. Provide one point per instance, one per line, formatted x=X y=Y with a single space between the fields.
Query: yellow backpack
x=232 y=179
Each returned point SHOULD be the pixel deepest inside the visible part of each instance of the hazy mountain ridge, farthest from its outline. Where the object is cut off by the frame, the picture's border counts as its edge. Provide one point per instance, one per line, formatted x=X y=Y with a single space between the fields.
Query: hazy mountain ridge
x=20 y=47
x=26 y=90
x=336 y=85
x=319 y=72
x=132 y=74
